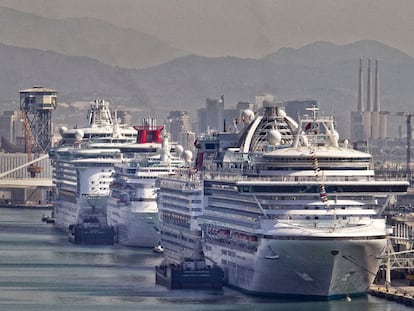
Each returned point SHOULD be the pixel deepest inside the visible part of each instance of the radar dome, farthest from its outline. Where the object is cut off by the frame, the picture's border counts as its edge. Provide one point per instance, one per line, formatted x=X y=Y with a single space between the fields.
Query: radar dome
x=79 y=134
x=62 y=130
x=274 y=137
x=281 y=113
x=269 y=99
x=346 y=143
x=179 y=149
x=247 y=115
x=187 y=155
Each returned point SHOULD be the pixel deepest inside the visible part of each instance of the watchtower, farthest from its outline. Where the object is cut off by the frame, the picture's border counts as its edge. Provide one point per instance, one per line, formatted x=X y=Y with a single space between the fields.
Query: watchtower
x=36 y=105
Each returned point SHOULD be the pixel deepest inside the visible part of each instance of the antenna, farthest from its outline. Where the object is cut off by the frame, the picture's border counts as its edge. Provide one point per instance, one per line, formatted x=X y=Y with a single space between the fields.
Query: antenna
x=314 y=110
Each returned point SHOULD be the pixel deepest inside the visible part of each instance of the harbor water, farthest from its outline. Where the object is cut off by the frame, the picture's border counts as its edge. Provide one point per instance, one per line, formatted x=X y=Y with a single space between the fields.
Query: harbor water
x=41 y=270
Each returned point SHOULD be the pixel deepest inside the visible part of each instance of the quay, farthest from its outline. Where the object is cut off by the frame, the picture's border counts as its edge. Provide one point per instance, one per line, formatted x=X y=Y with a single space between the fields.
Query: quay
x=27 y=205
x=26 y=192
x=399 y=292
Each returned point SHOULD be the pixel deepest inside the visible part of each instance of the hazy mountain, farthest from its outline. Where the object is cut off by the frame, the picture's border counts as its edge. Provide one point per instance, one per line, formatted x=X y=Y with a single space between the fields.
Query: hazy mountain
x=184 y=83
x=189 y=80
x=84 y=37
x=326 y=53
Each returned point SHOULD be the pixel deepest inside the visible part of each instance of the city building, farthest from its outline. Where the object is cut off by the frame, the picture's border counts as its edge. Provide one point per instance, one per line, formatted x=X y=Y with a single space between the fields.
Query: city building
x=8 y=126
x=211 y=118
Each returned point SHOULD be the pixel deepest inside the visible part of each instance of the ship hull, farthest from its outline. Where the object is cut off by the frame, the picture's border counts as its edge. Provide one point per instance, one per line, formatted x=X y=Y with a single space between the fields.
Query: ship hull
x=309 y=268
x=68 y=213
x=65 y=213
x=85 y=221
x=135 y=225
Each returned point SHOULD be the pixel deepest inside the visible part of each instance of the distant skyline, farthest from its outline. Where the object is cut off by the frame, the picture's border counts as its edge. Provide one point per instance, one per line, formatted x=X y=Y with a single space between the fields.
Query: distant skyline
x=244 y=28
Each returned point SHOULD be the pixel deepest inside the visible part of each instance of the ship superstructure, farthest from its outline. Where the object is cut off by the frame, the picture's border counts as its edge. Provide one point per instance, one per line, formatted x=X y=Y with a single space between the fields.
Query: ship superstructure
x=102 y=127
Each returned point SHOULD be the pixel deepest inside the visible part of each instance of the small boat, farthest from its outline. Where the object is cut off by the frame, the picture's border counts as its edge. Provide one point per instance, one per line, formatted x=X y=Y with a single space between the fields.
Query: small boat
x=48 y=219
x=158 y=249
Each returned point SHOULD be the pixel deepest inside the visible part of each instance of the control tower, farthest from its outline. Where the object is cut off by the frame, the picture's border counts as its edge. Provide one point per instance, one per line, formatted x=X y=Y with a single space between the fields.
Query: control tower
x=36 y=105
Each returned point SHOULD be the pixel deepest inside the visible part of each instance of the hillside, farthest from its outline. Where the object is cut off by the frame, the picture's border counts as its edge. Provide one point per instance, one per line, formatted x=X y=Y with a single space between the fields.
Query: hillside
x=185 y=82
x=84 y=37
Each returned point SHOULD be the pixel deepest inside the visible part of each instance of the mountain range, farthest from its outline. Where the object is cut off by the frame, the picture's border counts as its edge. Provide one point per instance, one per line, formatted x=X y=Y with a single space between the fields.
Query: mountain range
x=88 y=59
x=84 y=37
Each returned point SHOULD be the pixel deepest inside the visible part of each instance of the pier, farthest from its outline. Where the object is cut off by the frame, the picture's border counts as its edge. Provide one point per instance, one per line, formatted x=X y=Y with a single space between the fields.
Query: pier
x=26 y=192
x=399 y=292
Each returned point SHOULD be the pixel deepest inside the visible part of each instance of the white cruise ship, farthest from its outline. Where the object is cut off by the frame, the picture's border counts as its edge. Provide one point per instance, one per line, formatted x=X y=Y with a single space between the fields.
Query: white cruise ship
x=83 y=177
x=292 y=212
x=132 y=206
x=180 y=203
x=83 y=165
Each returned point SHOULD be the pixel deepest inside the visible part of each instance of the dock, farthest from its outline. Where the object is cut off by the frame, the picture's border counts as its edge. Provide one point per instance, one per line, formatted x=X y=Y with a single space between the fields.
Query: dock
x=27 y=205
x=400 y=292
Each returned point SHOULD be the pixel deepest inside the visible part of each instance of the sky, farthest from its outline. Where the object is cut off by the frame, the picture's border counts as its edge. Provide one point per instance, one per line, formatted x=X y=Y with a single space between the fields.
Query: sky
x=245 y=28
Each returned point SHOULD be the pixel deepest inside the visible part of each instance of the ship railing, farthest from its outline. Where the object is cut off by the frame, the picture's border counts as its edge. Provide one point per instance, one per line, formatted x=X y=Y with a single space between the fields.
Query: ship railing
x=246 y=246
x=182 y=180
x=328 y=225
x=233 y=176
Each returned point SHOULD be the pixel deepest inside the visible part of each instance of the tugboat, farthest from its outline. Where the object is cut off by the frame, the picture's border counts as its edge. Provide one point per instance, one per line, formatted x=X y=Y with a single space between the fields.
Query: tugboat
x=91 y=231
x=192 y=273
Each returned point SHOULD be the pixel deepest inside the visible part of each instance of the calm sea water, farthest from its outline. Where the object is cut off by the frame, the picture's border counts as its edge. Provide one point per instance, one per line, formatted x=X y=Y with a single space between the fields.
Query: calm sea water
x=41 y=270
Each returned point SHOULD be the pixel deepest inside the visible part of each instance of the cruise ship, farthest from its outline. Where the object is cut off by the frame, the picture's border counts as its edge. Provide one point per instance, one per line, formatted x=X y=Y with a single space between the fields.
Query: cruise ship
x=285 y=209
x=83 y=177
x=180 y=203
x=132 y=206
x=292 y=212
x=84 y=163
